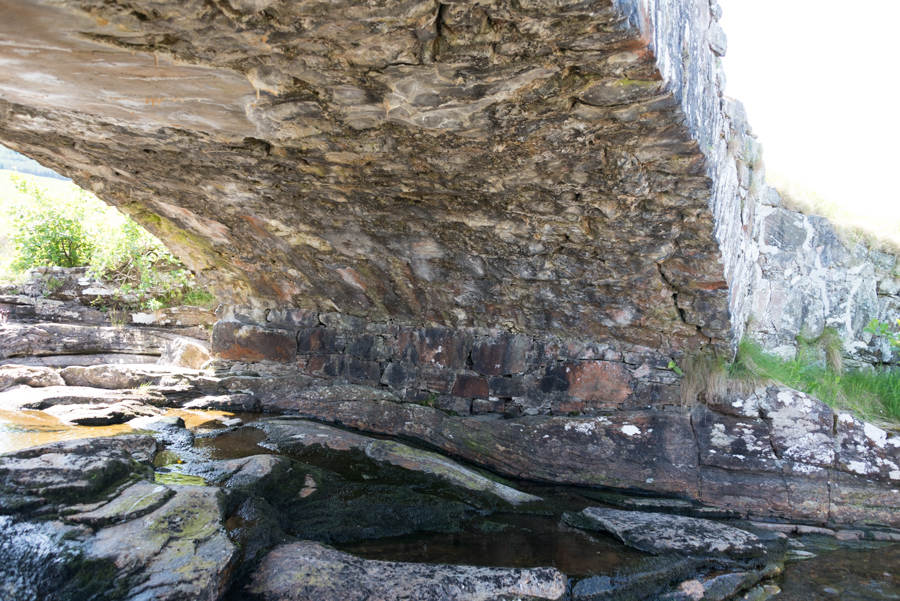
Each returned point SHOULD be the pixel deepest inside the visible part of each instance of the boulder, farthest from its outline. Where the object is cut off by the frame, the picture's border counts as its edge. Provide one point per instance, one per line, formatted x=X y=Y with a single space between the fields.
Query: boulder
x=87 y=510
x=662 y=533
x=73 y=470
x=184 y=352
x=310 y=571
x=16 y=375
x=178 y=551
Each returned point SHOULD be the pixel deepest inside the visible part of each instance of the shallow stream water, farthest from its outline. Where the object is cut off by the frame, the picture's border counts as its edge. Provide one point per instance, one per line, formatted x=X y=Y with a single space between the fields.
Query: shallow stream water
x=848 y=571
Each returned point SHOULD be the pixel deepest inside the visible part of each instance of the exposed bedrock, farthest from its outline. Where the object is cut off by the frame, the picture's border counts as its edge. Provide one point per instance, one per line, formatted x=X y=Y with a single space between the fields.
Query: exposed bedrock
x=550 y=168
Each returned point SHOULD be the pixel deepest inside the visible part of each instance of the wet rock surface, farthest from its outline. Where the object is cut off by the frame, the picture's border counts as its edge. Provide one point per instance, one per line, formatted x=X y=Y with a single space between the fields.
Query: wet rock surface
x=309 y=571
x=287 y=434
x=660 y=533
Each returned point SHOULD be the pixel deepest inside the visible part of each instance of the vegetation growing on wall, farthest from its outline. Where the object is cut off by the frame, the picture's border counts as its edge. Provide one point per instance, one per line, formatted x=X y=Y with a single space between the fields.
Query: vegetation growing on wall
x=817 y=369
x=66 y=226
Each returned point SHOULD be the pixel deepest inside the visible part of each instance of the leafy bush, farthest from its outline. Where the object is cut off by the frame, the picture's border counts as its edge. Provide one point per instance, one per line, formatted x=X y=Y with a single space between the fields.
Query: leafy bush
x=879 y=328
x=76 y=229
x=50 y=231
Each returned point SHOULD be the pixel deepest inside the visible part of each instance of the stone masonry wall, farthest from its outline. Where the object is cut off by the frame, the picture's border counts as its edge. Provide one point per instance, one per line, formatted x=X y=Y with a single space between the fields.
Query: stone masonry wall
x=461 y=371
x=806 y=279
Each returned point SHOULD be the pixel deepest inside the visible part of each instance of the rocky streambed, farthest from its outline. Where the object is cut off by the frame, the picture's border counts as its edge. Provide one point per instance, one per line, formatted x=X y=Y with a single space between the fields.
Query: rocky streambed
x=192 y=499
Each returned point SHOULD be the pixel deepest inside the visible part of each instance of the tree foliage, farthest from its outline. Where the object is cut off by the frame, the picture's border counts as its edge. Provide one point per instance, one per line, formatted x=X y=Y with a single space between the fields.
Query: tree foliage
x=77 y=229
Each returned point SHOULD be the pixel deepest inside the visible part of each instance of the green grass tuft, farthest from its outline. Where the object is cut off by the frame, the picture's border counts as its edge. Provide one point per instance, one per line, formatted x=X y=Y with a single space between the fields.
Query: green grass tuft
x=873 y=395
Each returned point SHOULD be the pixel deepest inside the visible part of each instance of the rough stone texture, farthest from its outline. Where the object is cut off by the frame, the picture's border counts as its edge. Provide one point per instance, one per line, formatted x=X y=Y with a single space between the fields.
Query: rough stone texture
x=72 y=295
x=101 y=414
x=126 y=376
x=81 y=468
x=307 y=571
x=12 y=375
x=178 y=551
x=539 y=168
x=288 y=434
x=44 y=398
x=133 y=539
x=805 y=278
x=17 y=340
x=183 y=352
x=440 y=366
x=83 y=360
x=660 y=533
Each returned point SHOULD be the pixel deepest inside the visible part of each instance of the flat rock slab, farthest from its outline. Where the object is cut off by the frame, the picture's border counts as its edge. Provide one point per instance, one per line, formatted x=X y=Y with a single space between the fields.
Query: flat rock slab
x=135 y=501
x=180 y=550
x=16 y=375
x=238 y=473
x=659 y=533
x=114 y=377
x=73 y=468
x=83 y=360
x=662 y=505
x=293 y=433
x=224 y=402
x=102 y=414
x=36 y=340
x=43 y=398
x=309 y=571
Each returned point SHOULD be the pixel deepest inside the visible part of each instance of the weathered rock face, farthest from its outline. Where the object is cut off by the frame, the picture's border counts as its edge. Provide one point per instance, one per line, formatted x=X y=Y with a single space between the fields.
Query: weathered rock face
x=307 y=571
x=542 y=168
x=805 y=279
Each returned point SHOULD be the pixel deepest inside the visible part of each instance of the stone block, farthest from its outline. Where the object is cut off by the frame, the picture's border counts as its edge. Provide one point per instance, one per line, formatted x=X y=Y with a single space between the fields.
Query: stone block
x=436 y=380
x=441 y=348
x=363 y=372
x=368 y=346
x=454 y=404
x=470 y=387
x=399 y=376
x=600 y=384
x=866 y=450
x=808 y=491
x=316 y=340
x=238 y=342
x=862 y=501
x=491 y=405
x=502 y=354
x=734 y=443
x=509 y=387
x=292 y=319
x=800 y=425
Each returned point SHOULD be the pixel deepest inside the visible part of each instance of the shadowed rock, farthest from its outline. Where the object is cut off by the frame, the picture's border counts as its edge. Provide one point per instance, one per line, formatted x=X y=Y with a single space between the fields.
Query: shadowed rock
x=307 y=571
x=660 y=533
x=289 y=434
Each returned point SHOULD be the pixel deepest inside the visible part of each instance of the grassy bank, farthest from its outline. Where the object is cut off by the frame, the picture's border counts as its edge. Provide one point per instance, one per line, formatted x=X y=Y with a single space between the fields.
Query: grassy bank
x=816 y=370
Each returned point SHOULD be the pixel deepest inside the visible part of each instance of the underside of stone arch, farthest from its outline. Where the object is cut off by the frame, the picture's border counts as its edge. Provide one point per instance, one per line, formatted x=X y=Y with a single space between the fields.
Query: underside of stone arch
x=548 y=168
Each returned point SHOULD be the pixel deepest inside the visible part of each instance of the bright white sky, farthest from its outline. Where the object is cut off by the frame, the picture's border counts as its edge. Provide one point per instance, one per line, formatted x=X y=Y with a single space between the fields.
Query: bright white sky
x=820 y=81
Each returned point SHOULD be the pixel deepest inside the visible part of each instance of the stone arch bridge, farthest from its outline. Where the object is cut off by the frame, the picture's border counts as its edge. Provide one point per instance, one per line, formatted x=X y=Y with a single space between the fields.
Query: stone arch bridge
x=513 y=207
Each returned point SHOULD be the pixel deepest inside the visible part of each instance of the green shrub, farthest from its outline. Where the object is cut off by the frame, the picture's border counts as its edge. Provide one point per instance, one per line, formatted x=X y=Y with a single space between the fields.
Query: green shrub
x=76 y=229
x=49 y=231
